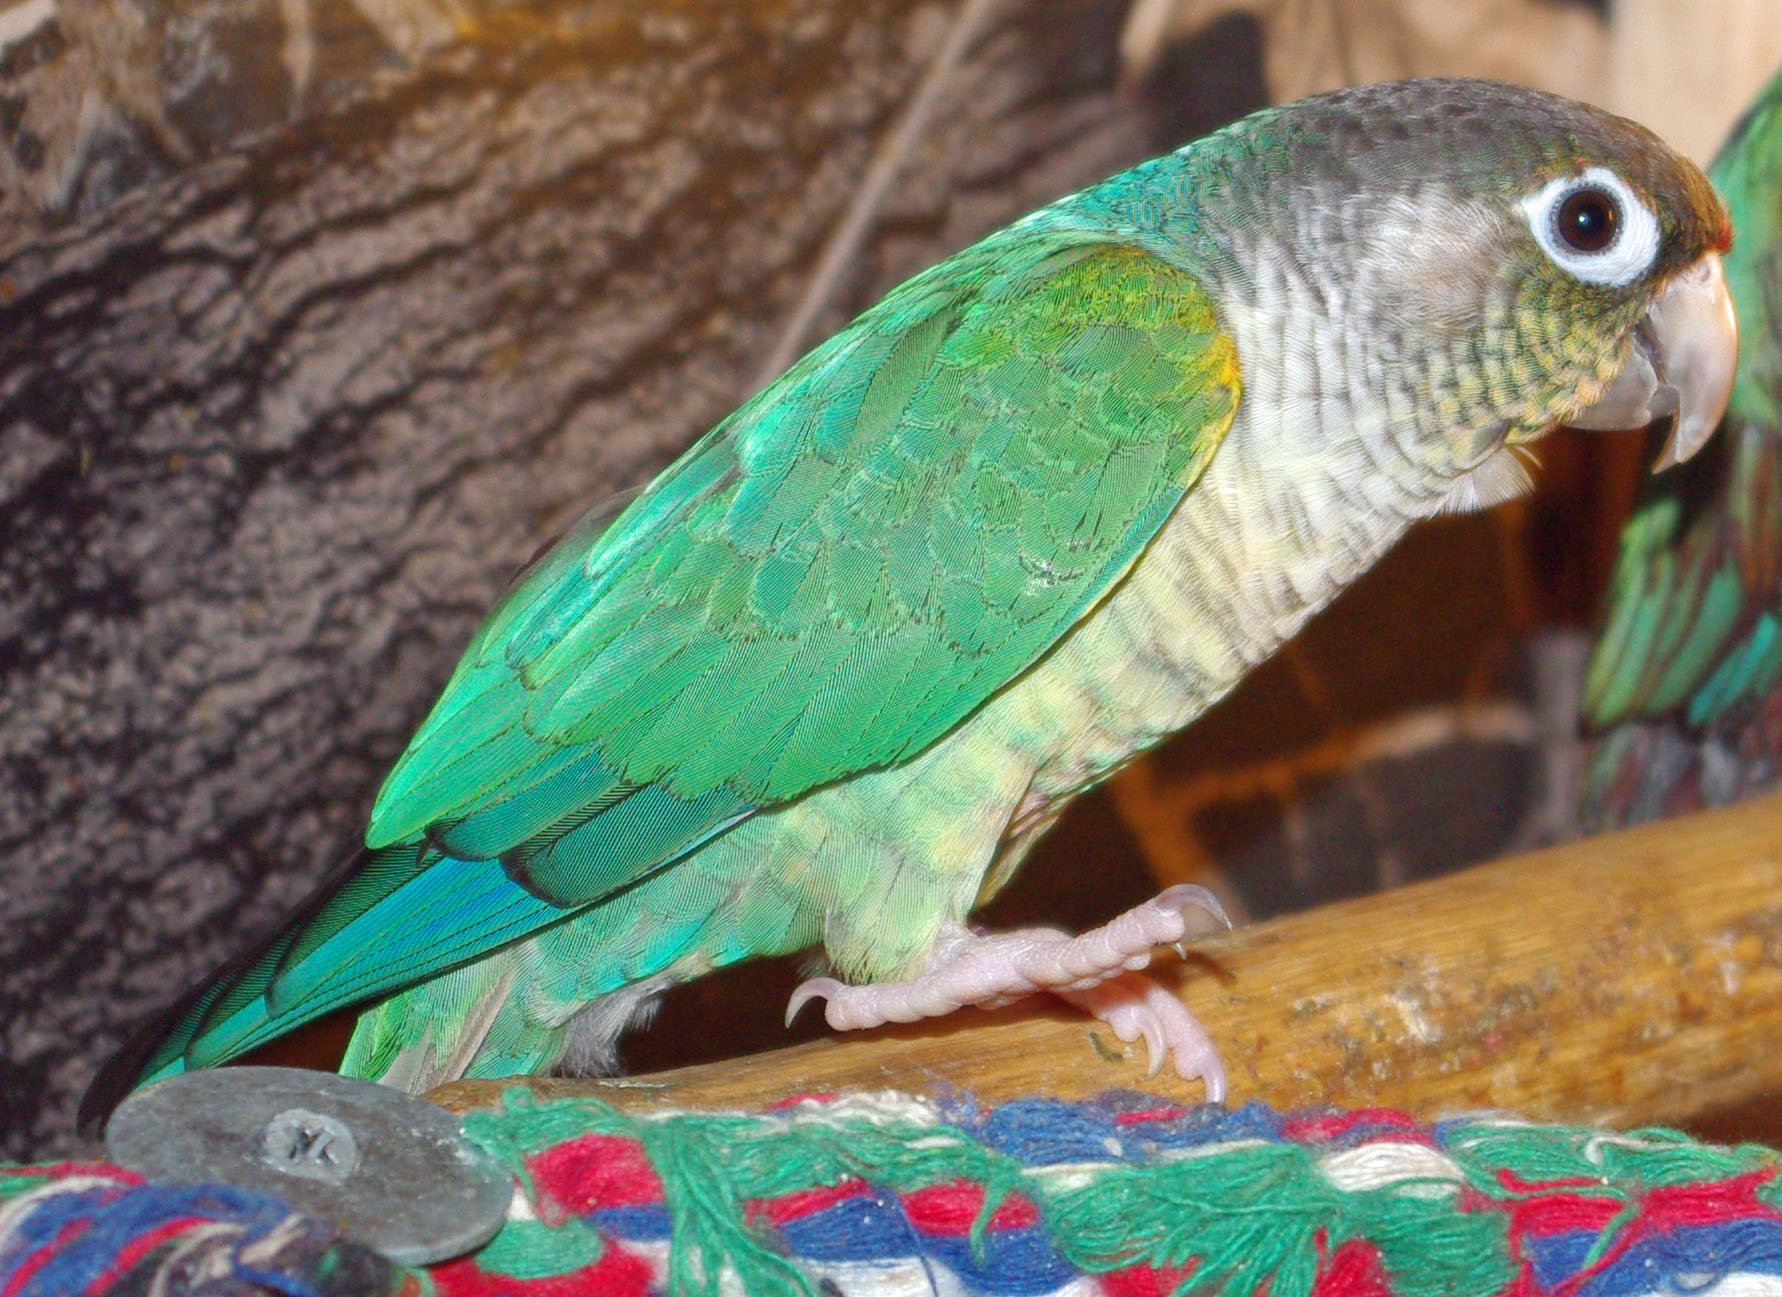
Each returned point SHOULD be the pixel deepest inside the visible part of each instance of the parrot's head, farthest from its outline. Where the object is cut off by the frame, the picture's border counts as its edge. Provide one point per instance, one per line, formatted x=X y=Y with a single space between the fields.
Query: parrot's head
x=1472 y=264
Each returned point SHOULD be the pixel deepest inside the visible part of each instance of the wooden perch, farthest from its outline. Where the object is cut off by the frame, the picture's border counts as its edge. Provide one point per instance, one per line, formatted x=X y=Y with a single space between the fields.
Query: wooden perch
x=1630 y=978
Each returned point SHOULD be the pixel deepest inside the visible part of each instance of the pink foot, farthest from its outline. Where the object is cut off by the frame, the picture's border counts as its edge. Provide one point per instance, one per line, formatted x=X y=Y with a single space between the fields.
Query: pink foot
x=1092 y=971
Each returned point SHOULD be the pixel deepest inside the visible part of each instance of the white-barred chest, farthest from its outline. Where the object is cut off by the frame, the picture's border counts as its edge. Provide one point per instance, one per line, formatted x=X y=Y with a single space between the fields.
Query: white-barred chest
x=1316 y=479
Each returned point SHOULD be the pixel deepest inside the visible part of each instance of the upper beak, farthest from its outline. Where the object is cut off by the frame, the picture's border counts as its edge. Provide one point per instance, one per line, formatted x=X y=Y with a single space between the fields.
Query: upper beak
x=1680 y=365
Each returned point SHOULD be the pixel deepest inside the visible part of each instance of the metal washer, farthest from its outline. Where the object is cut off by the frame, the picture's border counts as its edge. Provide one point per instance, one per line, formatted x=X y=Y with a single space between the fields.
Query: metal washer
x=390 y=1170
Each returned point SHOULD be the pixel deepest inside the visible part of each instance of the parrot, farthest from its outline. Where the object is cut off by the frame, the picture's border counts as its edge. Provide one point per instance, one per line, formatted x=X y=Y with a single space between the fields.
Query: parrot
x=827 y=678
x=1681 y=697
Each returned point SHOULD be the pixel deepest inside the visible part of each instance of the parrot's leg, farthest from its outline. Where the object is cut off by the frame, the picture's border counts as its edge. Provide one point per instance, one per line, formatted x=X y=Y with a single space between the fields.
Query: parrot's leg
x=1094 y=971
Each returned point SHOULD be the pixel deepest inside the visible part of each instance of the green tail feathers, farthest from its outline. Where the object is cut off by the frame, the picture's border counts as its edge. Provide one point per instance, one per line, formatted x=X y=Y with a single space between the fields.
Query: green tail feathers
x=381 y=921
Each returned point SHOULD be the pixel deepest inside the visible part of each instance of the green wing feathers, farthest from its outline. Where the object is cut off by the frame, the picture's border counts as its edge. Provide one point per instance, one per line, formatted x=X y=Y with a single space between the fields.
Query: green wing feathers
x=838 y=574
x=1692 y=627
x=1691 y=631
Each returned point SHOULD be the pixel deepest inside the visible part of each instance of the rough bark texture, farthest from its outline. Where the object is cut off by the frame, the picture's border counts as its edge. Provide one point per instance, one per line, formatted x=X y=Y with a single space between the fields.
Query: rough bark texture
x=276 y=426
x=98 y=97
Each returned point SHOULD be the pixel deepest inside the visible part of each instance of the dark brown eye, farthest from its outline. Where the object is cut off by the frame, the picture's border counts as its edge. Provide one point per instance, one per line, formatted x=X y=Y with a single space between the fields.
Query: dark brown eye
x=1588 y=220
x=1594 y=226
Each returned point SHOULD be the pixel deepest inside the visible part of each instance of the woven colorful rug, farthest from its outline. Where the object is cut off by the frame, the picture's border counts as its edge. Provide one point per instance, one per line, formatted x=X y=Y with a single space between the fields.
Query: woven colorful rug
x=870 y=1196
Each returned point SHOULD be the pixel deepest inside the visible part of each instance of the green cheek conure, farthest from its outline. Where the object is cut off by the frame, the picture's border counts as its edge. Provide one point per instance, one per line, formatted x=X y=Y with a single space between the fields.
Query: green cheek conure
x=828 y=678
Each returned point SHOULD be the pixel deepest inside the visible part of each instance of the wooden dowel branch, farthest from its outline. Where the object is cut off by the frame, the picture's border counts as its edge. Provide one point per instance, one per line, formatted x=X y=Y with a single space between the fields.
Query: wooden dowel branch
x=1631 y=978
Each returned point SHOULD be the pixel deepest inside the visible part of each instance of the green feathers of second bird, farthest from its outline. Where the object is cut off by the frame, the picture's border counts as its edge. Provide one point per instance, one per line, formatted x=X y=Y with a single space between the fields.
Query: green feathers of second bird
x=1684 y=688
x=830 y=675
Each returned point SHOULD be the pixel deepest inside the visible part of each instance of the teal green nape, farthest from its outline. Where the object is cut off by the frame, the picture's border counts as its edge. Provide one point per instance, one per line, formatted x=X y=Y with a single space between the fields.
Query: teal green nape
x=1682 y=691
x=825 y=680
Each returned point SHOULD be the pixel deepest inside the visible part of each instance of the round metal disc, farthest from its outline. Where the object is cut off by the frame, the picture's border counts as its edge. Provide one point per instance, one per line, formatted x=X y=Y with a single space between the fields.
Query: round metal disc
x=389 y=1170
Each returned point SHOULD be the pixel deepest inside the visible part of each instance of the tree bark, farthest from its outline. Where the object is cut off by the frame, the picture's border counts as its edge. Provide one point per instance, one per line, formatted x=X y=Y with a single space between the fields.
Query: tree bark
x=277 y=425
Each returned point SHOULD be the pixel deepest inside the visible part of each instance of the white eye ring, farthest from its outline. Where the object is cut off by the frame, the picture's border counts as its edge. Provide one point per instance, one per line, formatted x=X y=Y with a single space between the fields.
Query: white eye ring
x=1628 y=254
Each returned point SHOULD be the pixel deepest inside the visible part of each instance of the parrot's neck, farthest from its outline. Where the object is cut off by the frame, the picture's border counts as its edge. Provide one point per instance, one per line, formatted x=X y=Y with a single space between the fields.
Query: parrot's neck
x=1316 y=479
x=1272 y=534
x=1277 y=525
x=1325 y=466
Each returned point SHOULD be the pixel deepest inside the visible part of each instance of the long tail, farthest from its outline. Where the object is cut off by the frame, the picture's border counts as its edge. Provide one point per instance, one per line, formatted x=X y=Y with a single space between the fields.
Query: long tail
x=381 y=921
x=169 y=1033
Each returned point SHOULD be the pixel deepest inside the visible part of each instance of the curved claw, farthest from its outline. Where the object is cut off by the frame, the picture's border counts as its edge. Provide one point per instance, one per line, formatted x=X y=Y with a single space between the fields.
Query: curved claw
x=1133 y=1006
x=1128 y=1026
x=1155 y=1051
x=812 y=988
x=1185 y=896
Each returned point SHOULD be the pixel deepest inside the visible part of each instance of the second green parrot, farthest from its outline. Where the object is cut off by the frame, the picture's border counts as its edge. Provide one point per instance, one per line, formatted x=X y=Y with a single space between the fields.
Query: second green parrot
x=1683 y=696
x=826 y=680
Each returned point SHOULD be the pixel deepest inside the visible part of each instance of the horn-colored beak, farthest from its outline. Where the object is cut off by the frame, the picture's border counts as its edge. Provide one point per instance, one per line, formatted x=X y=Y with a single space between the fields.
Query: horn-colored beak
x=1680 y=365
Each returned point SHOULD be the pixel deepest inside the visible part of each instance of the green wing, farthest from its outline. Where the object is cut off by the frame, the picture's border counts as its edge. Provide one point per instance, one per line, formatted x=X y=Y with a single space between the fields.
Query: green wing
x=1692 y=629
x=837 y=575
